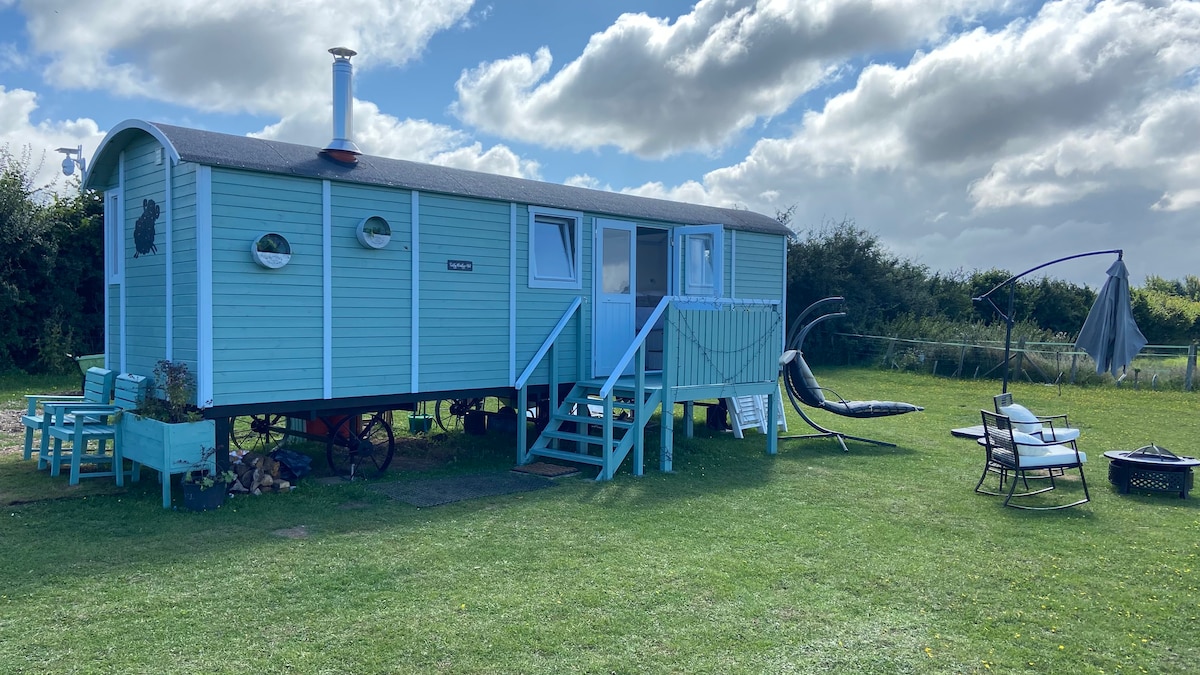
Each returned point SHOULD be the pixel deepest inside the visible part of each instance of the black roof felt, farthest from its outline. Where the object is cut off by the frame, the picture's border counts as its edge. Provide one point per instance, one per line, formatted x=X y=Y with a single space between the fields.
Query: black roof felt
x=255 y=154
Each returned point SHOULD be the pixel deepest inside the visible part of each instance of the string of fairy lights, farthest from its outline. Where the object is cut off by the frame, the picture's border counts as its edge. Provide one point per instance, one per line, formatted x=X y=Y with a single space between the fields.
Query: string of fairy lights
x=746 y=356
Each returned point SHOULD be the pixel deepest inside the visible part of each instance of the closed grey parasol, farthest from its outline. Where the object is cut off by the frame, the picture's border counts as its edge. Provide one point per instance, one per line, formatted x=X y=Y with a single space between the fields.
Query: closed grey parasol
x=1109 y=334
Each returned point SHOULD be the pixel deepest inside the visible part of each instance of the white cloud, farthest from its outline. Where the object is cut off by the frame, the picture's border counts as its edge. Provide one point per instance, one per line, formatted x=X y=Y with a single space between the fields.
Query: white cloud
x=378 y=133
x=1156 y=146
x=1076 y=128
x=18 y=133
x=654 y=87
x=584 y=180
x=496 y=159
x=225 y=55
x=267 y=58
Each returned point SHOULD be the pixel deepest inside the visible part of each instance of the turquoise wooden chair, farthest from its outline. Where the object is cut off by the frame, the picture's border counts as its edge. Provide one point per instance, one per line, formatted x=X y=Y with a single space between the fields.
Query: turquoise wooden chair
x=84 y=423
x=97 y=388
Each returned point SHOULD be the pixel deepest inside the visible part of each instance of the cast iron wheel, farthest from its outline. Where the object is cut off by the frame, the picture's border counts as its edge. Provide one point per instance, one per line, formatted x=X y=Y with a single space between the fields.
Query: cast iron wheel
x=449 y=412
x=356 y=449
x=257 y=433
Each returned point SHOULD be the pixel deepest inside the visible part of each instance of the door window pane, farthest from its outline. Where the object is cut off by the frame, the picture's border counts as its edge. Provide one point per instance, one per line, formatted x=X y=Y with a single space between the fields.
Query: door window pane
x=700 y=263
x=616 y=275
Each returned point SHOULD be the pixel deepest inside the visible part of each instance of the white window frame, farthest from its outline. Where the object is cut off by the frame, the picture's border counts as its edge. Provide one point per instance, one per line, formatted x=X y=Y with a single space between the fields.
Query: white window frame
x=114 y=238
x=685 y=263
x=575 y=221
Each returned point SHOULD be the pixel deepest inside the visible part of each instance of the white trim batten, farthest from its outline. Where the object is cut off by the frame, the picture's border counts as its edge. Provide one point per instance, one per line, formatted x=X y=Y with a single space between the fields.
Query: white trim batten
x=121 y=349
x=326 y=290
x=783 y=300
x=169 y=226
x=512 y=292
x=733 y=263
x=415 y=358
x=204 y=287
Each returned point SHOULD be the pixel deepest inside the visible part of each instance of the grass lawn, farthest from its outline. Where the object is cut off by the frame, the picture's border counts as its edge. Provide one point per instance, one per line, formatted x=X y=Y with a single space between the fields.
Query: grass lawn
x=882 y=560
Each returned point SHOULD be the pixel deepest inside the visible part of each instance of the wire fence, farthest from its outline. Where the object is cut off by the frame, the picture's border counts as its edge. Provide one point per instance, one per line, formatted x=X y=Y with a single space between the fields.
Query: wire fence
x=1156 y=366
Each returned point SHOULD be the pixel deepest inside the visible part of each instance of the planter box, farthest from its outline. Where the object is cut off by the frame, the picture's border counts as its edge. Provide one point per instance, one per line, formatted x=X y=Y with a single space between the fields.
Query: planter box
x=166 y=448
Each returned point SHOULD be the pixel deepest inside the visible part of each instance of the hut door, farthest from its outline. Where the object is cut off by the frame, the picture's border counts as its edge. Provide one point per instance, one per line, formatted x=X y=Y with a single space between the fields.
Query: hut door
x=614 y=318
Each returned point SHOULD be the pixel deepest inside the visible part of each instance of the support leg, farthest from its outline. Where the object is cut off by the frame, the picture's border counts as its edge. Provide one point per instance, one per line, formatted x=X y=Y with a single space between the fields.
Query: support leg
x=667 y=433
x=29 y=442
x=772 y=423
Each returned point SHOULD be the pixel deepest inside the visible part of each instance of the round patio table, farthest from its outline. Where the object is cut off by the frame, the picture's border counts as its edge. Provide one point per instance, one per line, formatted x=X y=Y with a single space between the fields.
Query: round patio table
x=1151 y=468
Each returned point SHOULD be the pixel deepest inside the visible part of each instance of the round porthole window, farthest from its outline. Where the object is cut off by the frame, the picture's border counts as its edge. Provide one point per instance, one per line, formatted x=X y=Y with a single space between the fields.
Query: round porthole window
x=271 y=251
x=374 y=232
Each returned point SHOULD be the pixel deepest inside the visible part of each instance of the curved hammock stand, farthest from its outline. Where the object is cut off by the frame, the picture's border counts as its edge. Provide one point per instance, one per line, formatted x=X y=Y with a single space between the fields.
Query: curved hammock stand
x=802 y=386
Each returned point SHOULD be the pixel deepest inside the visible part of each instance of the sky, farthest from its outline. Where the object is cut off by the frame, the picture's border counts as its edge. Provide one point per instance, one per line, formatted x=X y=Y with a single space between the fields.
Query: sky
x=965 y=134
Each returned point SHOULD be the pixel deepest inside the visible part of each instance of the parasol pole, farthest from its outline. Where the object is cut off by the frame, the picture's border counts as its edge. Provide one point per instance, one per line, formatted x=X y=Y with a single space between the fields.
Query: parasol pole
x=1012 y=289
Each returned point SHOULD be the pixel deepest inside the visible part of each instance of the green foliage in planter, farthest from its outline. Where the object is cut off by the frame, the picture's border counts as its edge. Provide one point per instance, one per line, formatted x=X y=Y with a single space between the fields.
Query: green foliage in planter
x=177 y=385
x=206 y=479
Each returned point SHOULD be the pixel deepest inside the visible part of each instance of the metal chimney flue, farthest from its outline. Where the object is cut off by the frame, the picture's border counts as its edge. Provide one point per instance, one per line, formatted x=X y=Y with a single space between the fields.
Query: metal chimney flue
x=342 y=148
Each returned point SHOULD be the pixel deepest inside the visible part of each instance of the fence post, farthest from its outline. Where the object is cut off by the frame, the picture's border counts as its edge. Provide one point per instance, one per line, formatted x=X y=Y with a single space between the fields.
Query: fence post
x=1074 y=364
x=887 y=358
x=1020 y=360
x=962 y=354
x=1191 y=367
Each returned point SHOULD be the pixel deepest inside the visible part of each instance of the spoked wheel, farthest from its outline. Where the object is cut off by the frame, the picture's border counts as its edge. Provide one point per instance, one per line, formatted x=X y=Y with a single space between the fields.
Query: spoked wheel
x=450 y=412
x=258 y=433
x=356 y=448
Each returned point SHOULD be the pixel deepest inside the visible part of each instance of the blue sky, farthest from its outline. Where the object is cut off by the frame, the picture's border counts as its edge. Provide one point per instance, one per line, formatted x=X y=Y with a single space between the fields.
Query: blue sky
x=966 y=133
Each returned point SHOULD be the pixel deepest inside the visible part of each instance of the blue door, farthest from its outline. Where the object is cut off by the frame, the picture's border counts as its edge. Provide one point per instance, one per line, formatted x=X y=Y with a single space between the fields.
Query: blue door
x=615 y=311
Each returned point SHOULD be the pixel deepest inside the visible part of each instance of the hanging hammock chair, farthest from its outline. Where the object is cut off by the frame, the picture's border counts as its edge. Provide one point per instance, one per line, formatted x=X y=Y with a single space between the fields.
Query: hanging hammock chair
x=802 y=387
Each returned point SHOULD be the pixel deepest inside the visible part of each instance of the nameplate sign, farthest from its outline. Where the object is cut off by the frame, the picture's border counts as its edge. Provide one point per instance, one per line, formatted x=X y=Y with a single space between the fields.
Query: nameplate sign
x=460 y=265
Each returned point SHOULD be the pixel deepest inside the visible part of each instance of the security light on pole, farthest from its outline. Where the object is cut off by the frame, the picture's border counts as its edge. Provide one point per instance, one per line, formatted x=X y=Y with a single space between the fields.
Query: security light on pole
x=73 y=156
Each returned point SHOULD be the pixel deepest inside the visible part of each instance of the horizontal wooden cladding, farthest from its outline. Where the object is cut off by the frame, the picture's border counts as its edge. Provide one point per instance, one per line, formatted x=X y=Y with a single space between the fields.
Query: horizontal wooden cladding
x=267 y=324
x=145 y=276
x=759 y=266
x=371 y=293
x=729 y=345
x=464 y=330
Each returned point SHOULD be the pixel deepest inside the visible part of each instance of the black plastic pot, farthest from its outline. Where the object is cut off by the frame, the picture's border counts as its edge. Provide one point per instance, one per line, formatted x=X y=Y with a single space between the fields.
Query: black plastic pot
x=198 y=498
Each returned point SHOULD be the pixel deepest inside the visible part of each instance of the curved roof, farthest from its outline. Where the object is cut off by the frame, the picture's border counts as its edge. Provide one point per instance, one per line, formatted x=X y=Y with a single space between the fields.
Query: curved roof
x=256 y=154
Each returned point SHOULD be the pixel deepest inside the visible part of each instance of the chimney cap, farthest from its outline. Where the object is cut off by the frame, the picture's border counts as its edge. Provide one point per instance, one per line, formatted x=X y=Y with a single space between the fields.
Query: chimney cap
x=342 y=52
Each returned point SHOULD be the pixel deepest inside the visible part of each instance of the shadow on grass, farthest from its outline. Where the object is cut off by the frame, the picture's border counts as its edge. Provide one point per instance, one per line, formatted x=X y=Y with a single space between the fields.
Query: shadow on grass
x=126 y=529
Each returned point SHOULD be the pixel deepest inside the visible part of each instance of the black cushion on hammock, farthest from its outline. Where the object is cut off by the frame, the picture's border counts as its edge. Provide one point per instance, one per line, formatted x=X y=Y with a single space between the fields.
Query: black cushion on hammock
x=869 y=408
x=800 y=381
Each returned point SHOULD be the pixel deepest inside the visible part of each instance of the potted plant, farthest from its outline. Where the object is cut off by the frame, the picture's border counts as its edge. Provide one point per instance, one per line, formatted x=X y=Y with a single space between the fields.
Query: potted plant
x=271 y=250
x=204 y=488
x=167 y=432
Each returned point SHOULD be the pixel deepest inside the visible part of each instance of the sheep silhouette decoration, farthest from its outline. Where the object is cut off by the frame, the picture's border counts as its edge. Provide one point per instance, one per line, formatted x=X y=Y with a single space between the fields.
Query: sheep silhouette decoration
x=143 y=230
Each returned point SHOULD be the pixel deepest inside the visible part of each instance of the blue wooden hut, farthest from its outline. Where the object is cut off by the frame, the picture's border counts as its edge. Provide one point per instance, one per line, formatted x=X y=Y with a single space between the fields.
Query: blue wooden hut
x=302 y=281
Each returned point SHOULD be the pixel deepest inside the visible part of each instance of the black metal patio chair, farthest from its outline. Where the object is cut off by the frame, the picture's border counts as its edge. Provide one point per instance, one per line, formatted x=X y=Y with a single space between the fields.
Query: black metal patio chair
x=1012 y=453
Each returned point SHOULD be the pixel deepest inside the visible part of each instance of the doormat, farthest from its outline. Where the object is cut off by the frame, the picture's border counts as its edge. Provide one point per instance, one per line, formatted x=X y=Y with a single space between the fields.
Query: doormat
x=437 y=491
x=547 y=469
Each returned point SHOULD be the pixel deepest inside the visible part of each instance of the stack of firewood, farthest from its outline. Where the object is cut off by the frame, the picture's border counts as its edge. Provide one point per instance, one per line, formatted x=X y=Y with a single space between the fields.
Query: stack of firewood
x=257 y=474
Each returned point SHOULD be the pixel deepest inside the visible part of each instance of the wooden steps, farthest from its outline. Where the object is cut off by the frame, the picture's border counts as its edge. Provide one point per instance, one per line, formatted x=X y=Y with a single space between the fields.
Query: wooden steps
x=580 y=430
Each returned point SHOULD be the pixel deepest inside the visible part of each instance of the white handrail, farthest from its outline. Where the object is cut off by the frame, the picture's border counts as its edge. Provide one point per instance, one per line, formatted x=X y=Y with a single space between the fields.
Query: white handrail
x=541 y=352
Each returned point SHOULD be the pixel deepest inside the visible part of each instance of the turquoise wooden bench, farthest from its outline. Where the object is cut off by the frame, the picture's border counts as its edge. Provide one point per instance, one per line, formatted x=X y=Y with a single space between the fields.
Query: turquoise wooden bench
x=83 y=423
x=97 y=388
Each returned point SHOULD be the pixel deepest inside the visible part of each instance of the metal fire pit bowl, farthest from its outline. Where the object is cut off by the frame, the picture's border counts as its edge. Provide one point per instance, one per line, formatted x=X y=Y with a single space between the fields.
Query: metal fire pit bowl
x=1151 y=468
